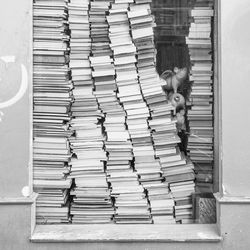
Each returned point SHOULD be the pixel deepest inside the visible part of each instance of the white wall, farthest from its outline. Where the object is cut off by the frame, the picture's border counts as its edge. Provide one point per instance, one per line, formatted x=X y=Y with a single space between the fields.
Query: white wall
x=235 y=68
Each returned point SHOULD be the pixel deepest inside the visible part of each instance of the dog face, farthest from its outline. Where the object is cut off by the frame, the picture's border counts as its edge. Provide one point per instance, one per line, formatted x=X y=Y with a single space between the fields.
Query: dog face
x=181 y=74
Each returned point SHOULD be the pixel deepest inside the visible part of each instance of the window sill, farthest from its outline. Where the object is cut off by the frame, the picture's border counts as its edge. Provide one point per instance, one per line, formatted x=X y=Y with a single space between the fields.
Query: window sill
x=126 y=233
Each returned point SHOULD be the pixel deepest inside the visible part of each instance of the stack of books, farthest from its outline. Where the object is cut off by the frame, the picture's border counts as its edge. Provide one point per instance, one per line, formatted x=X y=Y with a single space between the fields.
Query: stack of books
x=91 y=194
x=51 y=112
x=130 y=96
x=161 y=202
x=200 y=113
x=99 y=27
x=148 y=164
x=80 y=46
x=52 y=204
x=180 y=175
x=129 y=91
x=102 y=64
x=173 y=163
x=142 y=24
x=117 y=143
x=130 y=200
x=91 y=202
x=182 y=193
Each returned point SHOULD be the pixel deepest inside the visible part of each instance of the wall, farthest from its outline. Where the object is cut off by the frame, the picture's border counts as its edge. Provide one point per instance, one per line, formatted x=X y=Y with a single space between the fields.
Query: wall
x=235 y=65
x=233 y=205
x=15 y=105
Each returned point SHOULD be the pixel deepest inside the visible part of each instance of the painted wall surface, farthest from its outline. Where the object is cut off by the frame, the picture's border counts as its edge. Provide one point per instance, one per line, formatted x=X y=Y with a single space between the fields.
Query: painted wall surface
x=235 y=66
x=15 y=86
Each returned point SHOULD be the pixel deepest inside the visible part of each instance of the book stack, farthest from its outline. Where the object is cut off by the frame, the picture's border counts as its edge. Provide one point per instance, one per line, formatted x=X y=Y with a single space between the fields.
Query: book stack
x=129 y=91
x=91 y=194
x=180 y=175
x=161 y=202
x=80 y=46
x=164 y=135
x=102 y=64
x=173 y=163
x=91 y=201
x=52 y=204
x=99 y=26
x=51 y=111
x=130 y=96
x=182 y=193
x=174 y=167
x=142 y=24
x=200 y=113
x=130 y=200
x=148 y=164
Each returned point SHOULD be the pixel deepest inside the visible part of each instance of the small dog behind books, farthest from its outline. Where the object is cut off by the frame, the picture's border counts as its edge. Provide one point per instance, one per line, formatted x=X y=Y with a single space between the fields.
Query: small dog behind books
x=171 y=81
x=174 y=79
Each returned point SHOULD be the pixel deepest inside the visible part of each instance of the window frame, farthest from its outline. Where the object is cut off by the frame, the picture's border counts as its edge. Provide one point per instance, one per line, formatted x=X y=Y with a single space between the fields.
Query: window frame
x=137 y=232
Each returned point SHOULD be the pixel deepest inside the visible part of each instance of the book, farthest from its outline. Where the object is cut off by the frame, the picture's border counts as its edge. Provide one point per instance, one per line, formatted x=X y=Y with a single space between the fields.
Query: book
x=200 y=111
x=51 y=112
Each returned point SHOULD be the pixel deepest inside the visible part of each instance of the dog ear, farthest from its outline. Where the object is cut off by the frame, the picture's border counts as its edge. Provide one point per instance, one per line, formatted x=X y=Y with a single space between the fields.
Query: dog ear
x=166 y=74
x=176 y=70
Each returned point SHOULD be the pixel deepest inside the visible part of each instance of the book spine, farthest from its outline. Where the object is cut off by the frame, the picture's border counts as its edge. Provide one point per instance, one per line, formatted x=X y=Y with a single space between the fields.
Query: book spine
x=200 y=110
x=103 y=77
x=52 y=93
x=91 y=201
x=150 y=86
x=126 y=86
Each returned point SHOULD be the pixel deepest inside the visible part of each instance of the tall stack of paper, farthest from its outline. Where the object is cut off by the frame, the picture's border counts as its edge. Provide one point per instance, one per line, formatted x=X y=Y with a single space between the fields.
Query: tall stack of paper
x=51 y=113
x=99 y=27
x=180 y=175
x=173 y=162
x=126 y=190
x=129 y=91
x=182 y=193
x=80 y=46
x=200 y=114
x=91 y=193
x=162 y=122
x=129 y=94
x=52 y=205
x=147 y=162
x=102 y=64
x=161 y=202
x=130 y=200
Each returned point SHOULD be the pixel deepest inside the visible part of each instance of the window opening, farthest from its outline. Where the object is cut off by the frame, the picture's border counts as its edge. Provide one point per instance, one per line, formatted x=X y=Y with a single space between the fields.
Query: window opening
x=123 y=111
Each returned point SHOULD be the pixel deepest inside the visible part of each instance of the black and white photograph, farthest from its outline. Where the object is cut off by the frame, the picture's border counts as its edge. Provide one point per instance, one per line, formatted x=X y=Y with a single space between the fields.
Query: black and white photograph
x=124 y=125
